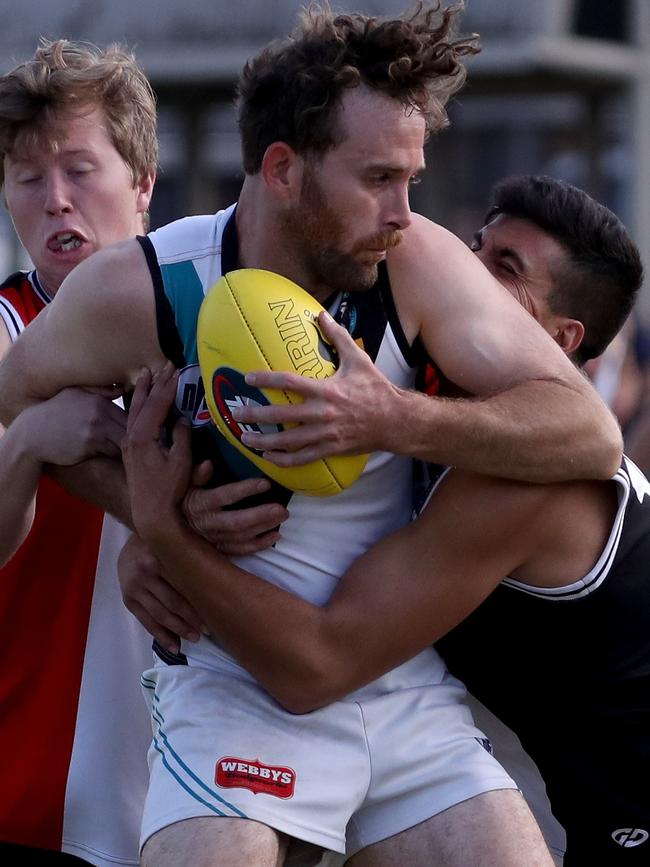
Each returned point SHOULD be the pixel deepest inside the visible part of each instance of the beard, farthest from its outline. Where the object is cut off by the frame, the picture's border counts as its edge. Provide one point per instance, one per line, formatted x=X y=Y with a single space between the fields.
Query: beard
x=317 y=236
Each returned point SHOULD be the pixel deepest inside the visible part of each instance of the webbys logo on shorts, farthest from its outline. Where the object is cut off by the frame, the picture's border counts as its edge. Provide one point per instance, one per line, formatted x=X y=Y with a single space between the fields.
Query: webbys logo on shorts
x=254 y=775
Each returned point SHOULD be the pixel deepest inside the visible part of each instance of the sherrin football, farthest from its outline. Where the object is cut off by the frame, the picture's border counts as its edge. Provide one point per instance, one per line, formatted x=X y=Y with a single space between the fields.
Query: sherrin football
x=257 y=320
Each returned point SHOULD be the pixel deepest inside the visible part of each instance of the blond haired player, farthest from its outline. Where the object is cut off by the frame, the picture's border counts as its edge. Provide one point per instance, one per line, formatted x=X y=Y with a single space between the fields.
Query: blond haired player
x=78 y=155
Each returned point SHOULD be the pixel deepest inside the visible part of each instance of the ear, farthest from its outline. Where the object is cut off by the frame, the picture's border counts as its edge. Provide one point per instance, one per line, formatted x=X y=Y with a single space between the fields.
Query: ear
x=569 y=333
x=144 y=191
x=282 y=171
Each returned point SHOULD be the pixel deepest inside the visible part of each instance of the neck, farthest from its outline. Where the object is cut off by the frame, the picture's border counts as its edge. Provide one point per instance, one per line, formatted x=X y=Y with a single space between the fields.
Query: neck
x=264 y=244
x=48 y=288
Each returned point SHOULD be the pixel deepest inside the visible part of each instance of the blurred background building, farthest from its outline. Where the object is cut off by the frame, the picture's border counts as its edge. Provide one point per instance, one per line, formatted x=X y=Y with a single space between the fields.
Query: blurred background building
x=561 y=87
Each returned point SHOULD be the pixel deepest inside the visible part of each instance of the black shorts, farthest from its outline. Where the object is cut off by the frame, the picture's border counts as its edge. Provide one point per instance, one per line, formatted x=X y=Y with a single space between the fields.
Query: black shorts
x=609 y=833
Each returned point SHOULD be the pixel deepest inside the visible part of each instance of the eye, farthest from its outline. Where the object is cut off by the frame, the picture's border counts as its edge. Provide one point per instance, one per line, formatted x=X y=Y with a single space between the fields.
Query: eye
x=28 y=178
x=415 y=180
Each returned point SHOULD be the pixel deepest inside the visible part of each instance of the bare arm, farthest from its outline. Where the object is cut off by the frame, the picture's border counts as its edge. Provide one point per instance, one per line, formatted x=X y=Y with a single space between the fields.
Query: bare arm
x=70 y=427
x=67 y=428
x=535 y=417
x=99 y=330
x=401 y=596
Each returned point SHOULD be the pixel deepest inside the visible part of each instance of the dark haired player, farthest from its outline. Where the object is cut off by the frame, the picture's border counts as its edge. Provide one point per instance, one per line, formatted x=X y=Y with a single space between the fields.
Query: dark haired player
x=560 y=649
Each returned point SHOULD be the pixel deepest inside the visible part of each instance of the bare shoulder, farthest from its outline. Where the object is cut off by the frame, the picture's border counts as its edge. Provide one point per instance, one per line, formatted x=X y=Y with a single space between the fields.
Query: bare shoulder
x=433 y=268
x=425 y=244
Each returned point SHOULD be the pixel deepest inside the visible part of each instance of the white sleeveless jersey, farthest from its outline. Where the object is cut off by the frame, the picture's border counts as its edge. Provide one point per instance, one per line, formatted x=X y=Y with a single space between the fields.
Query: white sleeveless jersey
x=323 y=536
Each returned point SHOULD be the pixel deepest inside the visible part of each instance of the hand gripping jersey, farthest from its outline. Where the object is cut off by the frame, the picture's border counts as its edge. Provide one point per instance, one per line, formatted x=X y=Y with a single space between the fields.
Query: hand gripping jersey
x=568 y=668
x=73 y=726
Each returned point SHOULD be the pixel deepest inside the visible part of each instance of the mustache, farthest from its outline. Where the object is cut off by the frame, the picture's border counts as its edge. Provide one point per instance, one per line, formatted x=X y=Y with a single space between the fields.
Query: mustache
x=381 y=241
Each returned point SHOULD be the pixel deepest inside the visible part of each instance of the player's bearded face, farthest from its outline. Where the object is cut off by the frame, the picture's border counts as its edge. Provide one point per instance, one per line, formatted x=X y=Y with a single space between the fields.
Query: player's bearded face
x=322 y=239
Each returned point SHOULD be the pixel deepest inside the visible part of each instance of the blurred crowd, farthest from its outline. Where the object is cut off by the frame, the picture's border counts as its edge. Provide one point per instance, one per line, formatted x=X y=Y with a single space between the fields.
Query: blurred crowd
x=622 y=377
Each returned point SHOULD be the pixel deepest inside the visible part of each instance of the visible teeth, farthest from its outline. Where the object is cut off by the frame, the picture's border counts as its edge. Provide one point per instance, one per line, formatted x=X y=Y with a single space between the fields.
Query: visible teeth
x=68 y=241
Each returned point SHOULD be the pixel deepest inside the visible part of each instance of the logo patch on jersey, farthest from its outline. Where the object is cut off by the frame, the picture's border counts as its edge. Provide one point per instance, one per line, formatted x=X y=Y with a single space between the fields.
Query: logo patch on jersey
x=258 y=778
x=190 y=396
x=230 y=390
x=630 y=837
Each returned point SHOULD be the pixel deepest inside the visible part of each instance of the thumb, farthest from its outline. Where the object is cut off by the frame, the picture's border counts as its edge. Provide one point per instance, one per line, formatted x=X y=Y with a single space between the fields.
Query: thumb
x=336 y=335
x=201 y=474
x=181 y=437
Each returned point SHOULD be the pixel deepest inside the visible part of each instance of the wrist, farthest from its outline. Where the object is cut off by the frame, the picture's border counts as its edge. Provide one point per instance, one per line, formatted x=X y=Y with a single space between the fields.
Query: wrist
x=159 y=529
x=397 y=417
x=21 y=441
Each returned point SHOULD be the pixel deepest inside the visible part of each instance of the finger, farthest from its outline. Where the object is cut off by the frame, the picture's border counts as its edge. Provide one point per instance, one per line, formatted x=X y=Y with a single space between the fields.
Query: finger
x=215 y=499
x=284 y=381
x=280 y=414
x=202 y=473
x=140 y=393
x=171 y=608
x=154 y=410
x=298 y=458
x=240 y=527
x=292 y=440
x=114 y=429
x=252 y=546
x=163 y=636
x=181 y=439
x=174 y=614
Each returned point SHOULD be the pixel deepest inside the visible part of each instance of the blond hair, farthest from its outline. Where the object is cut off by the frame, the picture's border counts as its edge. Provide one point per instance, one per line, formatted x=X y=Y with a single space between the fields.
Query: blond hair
x=64 y=78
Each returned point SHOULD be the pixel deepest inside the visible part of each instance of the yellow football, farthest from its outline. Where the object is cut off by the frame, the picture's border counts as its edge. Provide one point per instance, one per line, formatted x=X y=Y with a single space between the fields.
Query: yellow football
x=257 y=320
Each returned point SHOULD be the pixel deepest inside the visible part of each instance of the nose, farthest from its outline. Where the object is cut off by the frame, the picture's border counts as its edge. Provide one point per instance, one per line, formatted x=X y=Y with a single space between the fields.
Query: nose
x=57 y=194
x=398 y=208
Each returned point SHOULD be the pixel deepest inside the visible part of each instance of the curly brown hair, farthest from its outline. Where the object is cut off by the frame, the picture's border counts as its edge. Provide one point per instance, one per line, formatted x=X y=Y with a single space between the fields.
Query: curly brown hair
x=64 y=77
x=289 y=92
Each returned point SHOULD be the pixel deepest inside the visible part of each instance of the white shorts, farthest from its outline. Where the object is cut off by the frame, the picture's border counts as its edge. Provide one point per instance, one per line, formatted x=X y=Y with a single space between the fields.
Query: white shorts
x=341 y=778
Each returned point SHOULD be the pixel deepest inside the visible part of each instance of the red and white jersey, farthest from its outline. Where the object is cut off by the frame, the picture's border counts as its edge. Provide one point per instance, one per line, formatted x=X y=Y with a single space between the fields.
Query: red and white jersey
x=73 y=724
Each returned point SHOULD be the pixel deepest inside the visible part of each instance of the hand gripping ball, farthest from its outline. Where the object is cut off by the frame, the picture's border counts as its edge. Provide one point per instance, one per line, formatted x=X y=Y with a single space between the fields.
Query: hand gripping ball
x=257 y=320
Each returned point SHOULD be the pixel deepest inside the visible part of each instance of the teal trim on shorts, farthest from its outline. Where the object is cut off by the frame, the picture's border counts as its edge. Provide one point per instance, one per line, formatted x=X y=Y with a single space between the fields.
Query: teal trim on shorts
x=181 y=772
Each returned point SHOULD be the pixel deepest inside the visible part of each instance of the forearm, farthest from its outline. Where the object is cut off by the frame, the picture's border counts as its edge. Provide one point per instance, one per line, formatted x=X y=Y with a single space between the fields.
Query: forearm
x=536 y=431
x=101 y=481
x=247 y=614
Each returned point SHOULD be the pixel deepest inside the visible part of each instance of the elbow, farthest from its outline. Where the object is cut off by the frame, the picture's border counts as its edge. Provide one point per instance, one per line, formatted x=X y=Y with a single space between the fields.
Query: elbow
x=306 y=694
x=597 y=441
x=316 y=679
x=611 y=450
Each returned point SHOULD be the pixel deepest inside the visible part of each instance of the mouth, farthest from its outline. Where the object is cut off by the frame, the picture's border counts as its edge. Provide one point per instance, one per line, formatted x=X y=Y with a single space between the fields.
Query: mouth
x=371 y=256
x=64 y=242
